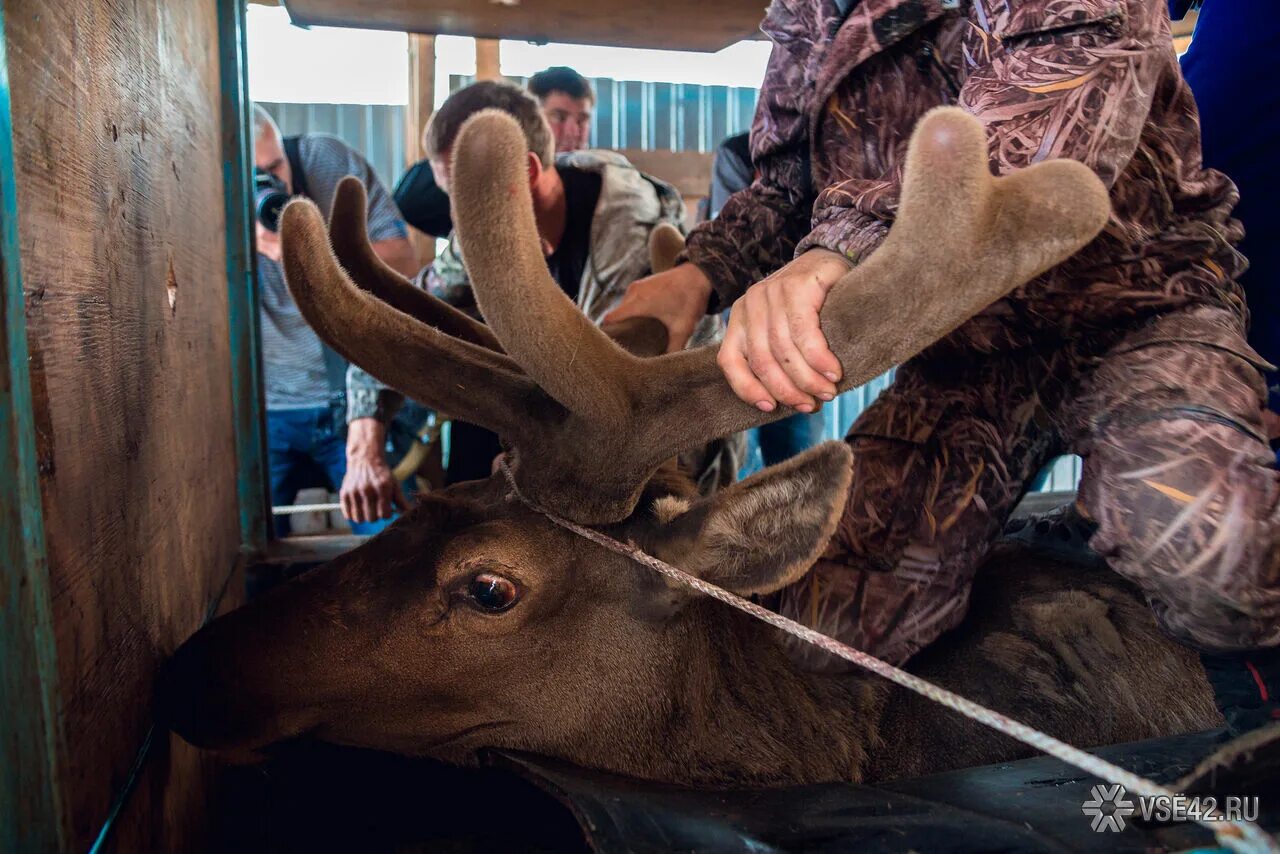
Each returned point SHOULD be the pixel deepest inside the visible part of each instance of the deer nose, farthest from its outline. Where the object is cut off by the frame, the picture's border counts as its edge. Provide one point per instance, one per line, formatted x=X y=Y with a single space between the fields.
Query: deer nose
x=221 y=691
x=184 y=702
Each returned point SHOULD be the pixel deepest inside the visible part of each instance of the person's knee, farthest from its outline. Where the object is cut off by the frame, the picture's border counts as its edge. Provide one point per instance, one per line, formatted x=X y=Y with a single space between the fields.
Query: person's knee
x=1220 y=616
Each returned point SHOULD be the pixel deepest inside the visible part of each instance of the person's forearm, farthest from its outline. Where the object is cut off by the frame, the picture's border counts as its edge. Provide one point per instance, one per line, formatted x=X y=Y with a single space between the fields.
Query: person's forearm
x=755 y=235
x=398 y=253
x=366 y=439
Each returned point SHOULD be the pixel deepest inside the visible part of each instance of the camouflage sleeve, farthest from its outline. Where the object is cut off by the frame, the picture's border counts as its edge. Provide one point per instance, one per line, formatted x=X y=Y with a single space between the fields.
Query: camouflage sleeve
x=1047 y=82
x=369 y=398
x=757 y=229
x=446 y=279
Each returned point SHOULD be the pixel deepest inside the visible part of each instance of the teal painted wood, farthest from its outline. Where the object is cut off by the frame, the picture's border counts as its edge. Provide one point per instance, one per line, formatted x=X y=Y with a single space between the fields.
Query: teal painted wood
x=242 y=279
x=31 y=813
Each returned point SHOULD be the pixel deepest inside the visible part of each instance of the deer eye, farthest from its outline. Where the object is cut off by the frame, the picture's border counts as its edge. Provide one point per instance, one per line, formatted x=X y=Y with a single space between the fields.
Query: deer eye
x=492 y=593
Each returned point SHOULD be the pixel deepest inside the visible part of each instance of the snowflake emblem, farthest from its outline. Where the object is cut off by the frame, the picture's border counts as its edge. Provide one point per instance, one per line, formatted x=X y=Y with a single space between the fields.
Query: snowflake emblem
x=1108 y=807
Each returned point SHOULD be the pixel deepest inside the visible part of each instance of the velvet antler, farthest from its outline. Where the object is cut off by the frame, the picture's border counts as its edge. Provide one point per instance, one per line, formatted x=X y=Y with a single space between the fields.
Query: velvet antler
x=349 y=234
x=588 y=423
x=457 y=377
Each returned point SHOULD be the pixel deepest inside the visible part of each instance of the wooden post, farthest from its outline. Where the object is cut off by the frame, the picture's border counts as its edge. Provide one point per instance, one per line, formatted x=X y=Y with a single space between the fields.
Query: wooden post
x=422 y=93
x=422 y=99
x=33 y=815
x=488 y=60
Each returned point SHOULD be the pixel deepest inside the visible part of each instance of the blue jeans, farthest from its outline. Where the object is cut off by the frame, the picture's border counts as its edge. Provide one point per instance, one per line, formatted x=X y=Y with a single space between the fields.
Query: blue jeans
x=782 y=440
x=305 y=449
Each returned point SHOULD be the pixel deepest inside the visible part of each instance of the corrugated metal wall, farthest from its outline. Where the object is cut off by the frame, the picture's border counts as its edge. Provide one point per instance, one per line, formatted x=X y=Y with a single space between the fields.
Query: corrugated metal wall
x=374 y=130
x=660 y=116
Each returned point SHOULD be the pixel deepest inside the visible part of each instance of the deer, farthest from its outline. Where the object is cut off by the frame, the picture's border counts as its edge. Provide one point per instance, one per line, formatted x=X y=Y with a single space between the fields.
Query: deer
x=475 y=622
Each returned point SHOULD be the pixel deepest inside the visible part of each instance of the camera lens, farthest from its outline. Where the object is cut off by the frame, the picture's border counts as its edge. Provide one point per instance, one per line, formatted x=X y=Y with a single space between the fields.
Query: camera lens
x=269 y=198
x=267 y=205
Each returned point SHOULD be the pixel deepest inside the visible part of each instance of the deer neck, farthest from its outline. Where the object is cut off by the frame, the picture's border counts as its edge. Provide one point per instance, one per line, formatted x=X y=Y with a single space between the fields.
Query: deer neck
x=745 y=712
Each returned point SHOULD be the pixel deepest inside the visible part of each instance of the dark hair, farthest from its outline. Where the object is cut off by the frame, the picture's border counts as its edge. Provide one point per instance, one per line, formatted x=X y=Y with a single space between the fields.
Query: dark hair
x=445 y=123
x=561 y=78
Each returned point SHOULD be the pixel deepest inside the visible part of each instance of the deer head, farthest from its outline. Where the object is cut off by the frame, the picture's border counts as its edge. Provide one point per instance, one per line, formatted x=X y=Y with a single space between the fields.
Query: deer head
x=474 y=621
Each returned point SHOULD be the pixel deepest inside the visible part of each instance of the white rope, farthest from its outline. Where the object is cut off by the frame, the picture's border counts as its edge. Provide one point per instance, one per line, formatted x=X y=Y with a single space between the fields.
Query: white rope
x=1237 y=835
x=290 y=509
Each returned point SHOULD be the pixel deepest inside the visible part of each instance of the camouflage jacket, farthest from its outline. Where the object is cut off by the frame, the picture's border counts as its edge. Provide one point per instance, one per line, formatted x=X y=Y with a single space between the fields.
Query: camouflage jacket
x=630 y=205
x=1093 y=80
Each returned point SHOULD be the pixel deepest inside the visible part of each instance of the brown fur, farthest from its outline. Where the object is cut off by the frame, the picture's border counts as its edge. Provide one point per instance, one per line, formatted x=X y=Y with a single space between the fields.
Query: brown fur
x=599 y=661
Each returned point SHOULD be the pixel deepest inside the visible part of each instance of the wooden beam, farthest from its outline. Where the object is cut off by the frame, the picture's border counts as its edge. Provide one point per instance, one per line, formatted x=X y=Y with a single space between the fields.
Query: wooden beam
x=242 y=280
x=704 y=25
x=422 y=94
x=33 y=815
x=317 y=548
x=422 y=100
x=488 y=60
x=687 y=171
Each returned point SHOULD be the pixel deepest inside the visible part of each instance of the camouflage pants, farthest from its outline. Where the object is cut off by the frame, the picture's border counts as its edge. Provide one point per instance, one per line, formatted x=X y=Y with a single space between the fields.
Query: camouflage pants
x=1177 y=474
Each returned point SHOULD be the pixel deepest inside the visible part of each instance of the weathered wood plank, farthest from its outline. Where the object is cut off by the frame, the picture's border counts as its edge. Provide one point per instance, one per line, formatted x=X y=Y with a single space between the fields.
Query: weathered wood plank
x=31 y=744
x=123 y=245
x=687 y=171
x=707 y=25
x=488 y=59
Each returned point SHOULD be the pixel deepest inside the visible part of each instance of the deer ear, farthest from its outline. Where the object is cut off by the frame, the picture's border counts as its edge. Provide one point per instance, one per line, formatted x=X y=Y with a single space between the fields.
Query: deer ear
x=763 y=533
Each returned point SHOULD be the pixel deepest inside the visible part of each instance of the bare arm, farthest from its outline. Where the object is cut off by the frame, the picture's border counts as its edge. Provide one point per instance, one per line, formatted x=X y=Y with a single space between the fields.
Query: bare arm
x=369 y=492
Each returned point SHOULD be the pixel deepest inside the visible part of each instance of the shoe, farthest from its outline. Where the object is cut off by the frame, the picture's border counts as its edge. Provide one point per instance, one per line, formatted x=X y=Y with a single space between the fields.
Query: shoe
x=1062 y=534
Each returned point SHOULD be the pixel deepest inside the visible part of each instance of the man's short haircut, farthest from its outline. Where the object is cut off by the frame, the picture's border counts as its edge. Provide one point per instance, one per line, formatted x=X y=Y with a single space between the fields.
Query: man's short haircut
x=561 y=78
x=261 y=121
x=490 y=94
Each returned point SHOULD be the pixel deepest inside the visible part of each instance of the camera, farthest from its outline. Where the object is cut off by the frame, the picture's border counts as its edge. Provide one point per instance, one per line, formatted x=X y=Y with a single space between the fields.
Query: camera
x=270 y=195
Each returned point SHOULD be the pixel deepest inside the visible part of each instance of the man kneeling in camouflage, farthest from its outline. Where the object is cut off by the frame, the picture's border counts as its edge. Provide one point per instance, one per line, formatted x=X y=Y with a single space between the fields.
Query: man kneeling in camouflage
x=1131 y=354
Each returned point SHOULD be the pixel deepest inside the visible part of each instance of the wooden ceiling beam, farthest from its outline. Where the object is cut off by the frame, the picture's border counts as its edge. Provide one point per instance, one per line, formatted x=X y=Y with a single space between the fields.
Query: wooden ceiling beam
x=707 y=25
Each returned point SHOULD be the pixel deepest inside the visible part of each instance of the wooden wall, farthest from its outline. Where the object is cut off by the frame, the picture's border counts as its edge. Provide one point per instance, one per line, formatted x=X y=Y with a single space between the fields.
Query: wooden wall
x=687 y=171
x=116 y=113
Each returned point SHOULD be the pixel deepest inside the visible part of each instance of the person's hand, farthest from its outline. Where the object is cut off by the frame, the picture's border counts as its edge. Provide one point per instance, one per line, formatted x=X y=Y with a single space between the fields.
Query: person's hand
x=369 y=492
x=268 y=242
x=677 y=297
x=773 y=351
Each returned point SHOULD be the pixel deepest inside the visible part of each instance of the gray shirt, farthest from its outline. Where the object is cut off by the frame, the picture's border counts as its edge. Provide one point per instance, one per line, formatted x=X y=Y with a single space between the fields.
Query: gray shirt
x=293 y=362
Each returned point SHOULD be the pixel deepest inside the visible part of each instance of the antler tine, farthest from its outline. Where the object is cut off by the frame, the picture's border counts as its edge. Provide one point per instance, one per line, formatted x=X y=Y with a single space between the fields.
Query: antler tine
x=962 y=240
x=457 y=377
x=349 y=234
x=566 y=354
x=665 y=245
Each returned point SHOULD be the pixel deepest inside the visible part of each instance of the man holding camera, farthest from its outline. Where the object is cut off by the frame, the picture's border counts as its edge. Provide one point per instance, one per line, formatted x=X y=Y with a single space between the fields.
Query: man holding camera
x=306 y=381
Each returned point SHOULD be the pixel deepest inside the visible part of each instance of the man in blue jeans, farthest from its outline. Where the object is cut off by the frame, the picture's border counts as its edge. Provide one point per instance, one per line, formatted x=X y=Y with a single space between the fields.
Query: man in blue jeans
x=304 y=383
